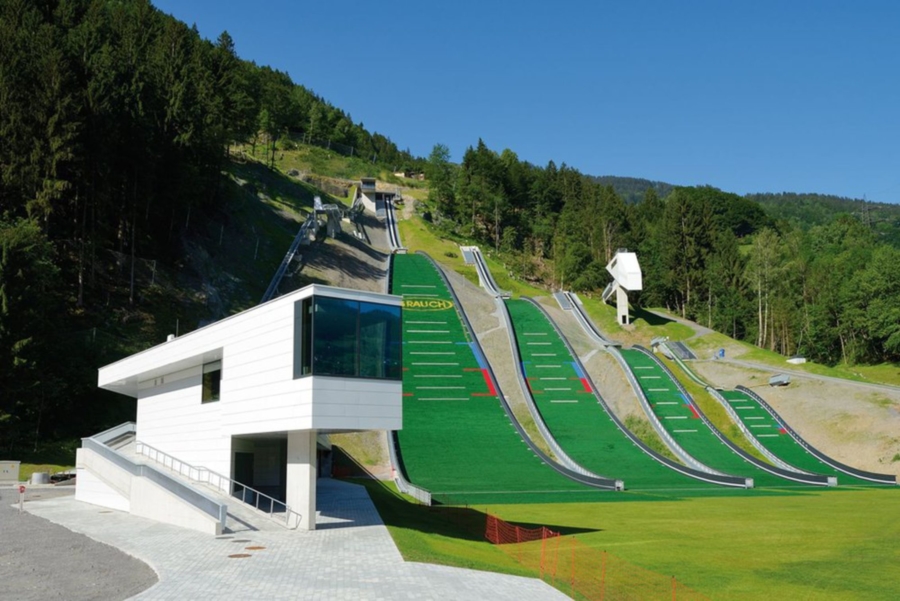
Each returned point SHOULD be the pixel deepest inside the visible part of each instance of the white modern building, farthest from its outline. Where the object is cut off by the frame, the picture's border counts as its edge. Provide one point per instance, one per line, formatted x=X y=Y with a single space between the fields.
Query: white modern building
x=247 y=396
x=627 y=277
x=372 y=198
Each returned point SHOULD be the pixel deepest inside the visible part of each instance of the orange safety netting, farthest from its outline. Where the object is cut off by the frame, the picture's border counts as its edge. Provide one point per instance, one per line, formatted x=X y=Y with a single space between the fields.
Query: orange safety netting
x=581 y=571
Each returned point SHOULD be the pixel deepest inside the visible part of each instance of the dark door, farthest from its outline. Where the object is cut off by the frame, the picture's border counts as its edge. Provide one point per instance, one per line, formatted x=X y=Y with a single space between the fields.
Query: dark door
x=243 y=475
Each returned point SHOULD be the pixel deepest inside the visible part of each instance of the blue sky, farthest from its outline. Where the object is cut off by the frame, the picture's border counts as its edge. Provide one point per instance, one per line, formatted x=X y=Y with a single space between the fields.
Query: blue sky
x=799 y=95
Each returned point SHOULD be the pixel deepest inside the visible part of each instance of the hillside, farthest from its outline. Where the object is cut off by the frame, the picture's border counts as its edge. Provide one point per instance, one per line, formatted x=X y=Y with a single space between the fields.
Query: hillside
x=133 y=211
x=810 y=210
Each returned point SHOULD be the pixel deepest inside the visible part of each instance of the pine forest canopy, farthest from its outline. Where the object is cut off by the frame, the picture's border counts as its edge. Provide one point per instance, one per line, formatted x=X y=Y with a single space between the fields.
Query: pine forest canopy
x=827 y=288
x=117 y=120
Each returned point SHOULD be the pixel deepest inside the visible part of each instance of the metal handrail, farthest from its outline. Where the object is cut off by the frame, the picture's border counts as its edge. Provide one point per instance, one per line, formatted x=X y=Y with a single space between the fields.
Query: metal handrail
x=98 y=444
x=223 y=483
x=288 y=257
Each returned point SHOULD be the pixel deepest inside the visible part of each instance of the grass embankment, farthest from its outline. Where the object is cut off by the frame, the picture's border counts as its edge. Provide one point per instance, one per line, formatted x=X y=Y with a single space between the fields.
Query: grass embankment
x=416 y=235
x=830 y=545
x=713 y=410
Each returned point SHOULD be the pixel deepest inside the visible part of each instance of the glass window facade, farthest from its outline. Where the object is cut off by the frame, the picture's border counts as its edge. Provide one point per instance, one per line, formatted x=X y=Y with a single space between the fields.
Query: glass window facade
x=347 y=338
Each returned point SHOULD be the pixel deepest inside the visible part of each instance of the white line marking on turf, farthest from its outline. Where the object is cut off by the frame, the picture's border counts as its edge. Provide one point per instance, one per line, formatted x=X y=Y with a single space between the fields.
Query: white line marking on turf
x=440 y=387
x=434 y=376
x=683 y=430
x=675 y=417
x=435 y=363
x=427 y=331
x=563 y=401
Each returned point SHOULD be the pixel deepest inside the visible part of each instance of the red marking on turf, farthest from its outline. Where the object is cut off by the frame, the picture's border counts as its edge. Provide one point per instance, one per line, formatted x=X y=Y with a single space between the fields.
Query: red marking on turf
x=694 y=413
x=472 y=369
x=483 y=394
x=586 y=384
x=407 y=394
x=782 y=431
x=490 y=384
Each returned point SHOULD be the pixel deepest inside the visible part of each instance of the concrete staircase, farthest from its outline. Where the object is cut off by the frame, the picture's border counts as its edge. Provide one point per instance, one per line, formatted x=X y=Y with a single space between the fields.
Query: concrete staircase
x=241 y=517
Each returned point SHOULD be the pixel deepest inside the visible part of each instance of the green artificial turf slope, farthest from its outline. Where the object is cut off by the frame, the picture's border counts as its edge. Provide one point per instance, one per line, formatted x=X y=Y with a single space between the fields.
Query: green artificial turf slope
x=679 y=418
x=457 y=441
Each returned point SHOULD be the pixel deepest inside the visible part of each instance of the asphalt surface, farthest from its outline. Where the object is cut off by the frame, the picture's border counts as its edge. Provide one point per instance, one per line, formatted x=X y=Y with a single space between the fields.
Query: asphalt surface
x=41 y=560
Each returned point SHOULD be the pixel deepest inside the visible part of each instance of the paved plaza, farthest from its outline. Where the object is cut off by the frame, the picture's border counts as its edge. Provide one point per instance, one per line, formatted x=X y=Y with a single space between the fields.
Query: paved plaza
x=350 y=556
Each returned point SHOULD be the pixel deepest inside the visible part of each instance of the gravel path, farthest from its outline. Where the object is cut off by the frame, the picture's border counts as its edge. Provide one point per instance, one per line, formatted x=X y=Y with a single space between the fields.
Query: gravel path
x=41 y=560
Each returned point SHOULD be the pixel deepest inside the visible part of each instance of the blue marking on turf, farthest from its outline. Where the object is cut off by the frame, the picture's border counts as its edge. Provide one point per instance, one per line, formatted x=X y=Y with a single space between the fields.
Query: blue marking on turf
x=482 y=363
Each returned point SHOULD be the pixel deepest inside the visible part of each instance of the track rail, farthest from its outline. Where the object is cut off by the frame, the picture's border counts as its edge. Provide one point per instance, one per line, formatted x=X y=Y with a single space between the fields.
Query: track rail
x=714 y=478
x=600 y=483
x=391 y=223
x=852 y=471
x=795 y=476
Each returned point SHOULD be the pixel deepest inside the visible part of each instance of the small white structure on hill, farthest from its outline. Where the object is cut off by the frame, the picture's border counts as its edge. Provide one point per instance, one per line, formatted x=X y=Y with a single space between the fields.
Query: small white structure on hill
x=373 y=199
x=247 y=396
x=626 y=273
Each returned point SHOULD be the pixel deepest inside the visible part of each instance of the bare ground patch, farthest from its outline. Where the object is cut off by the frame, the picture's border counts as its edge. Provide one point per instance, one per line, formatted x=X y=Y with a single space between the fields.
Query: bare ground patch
x=856 y=426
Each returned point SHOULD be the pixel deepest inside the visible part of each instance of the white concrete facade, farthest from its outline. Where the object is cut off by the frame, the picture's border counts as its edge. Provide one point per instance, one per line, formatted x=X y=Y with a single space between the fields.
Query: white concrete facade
x=627 y=277
x=259 y=395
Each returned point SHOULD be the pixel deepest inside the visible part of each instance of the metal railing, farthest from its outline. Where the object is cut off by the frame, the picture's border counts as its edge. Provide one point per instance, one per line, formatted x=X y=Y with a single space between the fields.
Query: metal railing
x=225 y=484
x=303 y=232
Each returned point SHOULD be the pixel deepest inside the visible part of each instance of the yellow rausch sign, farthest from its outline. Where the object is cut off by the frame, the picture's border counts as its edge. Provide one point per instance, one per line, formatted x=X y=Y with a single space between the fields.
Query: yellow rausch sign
x=418 y=303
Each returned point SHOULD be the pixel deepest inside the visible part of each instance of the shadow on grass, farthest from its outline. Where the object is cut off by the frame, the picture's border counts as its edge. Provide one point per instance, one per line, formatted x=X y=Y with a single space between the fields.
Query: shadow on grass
x=453 y=521
x=651 y=318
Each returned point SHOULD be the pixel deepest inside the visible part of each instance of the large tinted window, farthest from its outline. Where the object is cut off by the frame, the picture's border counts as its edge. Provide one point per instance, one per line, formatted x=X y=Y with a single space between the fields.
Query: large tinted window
x=379 y=341
x=337 y=337
x=303 y=319
x=335 y=326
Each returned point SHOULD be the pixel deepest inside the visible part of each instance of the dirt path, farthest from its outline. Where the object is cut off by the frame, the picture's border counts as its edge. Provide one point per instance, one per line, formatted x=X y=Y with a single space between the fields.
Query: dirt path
x=869 y=386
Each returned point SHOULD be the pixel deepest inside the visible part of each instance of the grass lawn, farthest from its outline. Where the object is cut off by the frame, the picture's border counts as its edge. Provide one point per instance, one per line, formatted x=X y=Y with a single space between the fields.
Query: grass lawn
x=828 y=544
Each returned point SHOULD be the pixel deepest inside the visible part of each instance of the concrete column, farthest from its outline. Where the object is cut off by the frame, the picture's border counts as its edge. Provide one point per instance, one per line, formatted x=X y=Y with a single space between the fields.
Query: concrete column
x=301 y=476
x=622 y=305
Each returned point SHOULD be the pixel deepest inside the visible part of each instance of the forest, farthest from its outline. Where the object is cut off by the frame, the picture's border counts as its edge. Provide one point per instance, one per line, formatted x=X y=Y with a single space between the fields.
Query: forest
x=117 y=122
x=826 y=289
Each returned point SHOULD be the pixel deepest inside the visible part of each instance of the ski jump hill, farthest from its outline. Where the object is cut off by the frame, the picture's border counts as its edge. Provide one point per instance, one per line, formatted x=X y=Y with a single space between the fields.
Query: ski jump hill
x=462 y=443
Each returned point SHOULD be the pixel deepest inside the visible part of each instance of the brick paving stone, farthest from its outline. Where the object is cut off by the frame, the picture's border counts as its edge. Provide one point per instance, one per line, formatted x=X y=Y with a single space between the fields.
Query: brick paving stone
x=350 y=557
